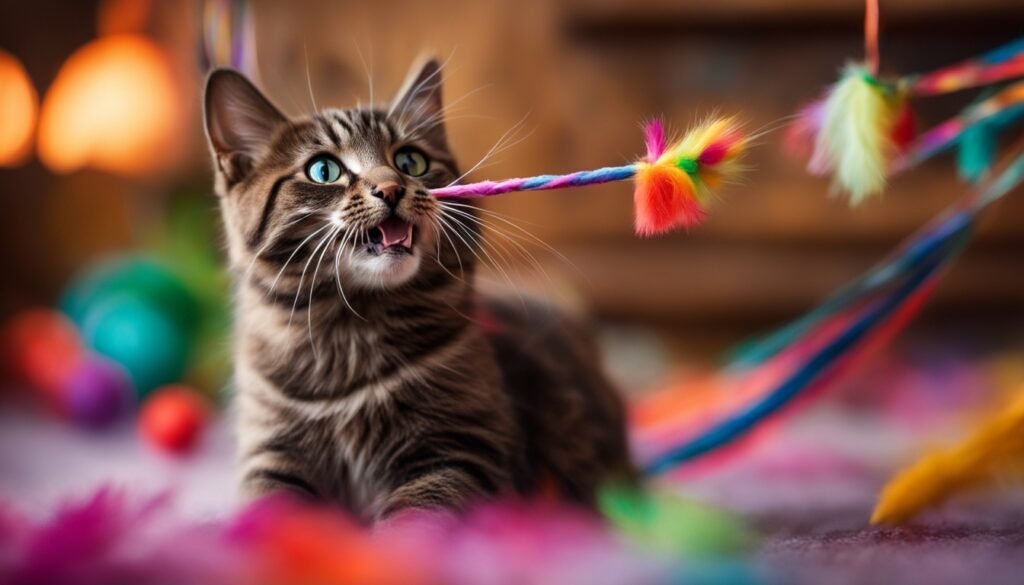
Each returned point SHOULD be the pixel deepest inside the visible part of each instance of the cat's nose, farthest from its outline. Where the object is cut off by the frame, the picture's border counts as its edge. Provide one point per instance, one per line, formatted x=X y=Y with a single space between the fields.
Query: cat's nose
x=391 y=193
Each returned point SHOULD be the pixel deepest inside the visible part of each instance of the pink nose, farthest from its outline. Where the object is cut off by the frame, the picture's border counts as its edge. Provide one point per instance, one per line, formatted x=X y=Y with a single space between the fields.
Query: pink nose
x=390 y=192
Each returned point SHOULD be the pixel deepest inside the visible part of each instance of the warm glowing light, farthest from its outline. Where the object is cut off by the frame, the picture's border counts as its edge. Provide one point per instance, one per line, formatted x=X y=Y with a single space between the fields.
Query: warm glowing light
x=113 y=106
x=19 y=106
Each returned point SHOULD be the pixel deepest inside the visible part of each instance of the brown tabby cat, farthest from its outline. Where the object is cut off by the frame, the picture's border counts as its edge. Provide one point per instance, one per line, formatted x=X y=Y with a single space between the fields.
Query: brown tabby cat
x=368 y=371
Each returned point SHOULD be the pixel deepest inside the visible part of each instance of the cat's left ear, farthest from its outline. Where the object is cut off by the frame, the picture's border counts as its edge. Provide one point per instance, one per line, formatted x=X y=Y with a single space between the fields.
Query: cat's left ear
x=418 y=104
x=240 y=122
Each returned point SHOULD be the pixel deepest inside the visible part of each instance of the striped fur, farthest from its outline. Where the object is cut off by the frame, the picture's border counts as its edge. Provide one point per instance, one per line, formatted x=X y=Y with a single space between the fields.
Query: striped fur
x=367 y=379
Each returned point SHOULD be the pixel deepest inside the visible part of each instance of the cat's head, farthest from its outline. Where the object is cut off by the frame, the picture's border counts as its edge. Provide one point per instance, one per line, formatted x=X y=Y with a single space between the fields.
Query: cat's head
x=345 y=191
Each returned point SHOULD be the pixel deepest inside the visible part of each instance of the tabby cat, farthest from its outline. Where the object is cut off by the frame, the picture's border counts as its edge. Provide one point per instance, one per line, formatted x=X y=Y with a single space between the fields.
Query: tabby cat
x=368 y=370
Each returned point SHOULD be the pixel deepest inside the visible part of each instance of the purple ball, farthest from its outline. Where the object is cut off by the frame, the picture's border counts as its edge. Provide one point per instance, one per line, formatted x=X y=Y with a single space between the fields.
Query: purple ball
x=98 y=392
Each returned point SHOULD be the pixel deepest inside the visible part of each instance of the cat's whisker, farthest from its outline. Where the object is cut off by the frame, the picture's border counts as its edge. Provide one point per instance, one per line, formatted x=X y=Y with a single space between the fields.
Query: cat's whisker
x=525 y=232
x=337 y=271
x=445 y=112
x=458 y=257
x=302 y=277
x=273 y=285
x=508 y=135
x=367 y=69
x=437 y=258
x=271 y=240
x=517 y=246
x=493 y=263
x=416 y=89
x=485 y=226
x=332 y=235
x=309 y=80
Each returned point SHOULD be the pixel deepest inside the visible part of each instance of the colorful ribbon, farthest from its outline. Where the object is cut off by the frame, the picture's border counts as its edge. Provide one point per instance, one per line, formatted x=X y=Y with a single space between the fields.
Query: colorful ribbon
x=875 y=304
x=538 y=183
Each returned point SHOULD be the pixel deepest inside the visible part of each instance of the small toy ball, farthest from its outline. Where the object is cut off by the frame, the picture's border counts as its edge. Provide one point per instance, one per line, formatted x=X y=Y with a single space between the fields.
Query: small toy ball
x=98 y=392
x=173 y=418
x=138 y=276
x=40 y=348
x=149 y=343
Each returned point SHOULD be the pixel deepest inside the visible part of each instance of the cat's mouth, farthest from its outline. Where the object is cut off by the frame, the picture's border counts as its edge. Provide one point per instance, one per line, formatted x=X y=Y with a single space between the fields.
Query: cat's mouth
x=393 y=235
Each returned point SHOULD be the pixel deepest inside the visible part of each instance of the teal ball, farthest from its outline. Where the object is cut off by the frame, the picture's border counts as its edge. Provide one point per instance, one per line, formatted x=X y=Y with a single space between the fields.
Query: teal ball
x=150 y=344
x=139 y=276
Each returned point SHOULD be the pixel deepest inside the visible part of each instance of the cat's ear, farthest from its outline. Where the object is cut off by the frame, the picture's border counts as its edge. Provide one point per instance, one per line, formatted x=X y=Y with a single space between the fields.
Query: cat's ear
x=240 y=122
x=418 y=104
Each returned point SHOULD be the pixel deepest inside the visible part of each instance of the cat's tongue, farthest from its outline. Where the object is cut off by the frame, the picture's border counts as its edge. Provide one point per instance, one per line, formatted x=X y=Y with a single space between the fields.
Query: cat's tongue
x=396 y=231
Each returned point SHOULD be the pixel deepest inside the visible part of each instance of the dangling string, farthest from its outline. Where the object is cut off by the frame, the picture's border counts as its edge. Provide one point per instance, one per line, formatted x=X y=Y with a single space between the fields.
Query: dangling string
x=1004 y=106
x=871 y=53
x=1001 y=64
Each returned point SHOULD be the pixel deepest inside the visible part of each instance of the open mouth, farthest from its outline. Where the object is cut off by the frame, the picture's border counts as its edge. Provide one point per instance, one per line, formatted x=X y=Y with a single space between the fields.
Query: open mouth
x=393 y=235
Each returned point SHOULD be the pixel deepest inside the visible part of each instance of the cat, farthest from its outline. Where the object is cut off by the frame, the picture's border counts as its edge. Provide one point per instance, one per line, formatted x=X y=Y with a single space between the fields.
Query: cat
x=368 y=370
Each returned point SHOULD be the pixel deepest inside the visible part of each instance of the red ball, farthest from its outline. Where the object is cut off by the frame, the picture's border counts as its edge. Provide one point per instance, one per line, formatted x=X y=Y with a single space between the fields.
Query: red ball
x=173 y=418
x=41 y=347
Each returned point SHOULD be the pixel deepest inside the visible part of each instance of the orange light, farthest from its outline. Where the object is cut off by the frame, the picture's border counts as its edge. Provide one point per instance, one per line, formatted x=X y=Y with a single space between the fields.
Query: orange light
x=19 y=107
x=113 y=106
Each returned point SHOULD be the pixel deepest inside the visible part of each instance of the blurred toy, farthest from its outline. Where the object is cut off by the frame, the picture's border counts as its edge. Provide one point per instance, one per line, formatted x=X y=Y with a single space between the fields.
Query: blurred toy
x=809 y=353
x=864 y=122
x=41 y=348
x=113 y=538
x=98 y=392
x=992 y=452
x=173 y=418
x=141 y=276
x=134 y=310
x=151 y=345
x=673 y=182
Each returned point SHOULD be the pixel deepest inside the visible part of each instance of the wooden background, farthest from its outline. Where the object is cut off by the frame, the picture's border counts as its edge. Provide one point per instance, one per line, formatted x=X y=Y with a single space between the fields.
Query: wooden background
x=583 y=73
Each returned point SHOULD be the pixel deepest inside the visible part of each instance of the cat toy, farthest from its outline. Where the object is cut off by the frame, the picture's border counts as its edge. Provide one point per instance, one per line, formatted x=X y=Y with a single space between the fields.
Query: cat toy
x=864 y=122
x=772 y=373
x=673 y=181
x=991 y=453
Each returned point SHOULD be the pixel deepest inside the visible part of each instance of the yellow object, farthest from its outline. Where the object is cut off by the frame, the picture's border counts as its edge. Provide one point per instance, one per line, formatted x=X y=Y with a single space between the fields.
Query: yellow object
x=856 y=134
x=996 y=446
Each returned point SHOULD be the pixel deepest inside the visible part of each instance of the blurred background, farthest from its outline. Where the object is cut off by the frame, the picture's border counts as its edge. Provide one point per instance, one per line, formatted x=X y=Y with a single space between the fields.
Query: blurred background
x=580 y=73
x=105 y=182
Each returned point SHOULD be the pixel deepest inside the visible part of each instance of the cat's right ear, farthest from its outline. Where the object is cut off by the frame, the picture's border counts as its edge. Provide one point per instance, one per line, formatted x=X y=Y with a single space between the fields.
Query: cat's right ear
x=240 y=122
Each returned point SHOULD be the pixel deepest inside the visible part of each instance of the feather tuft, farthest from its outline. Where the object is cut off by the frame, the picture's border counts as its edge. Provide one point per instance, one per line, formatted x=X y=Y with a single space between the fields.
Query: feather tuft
x=673 y=183
x=864 y=122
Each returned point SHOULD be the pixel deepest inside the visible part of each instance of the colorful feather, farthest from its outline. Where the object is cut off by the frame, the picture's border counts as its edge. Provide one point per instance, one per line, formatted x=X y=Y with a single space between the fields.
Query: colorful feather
x=673 y=185
x=995 y=447
x=860 y=132
x=673 y=182
x=110 y=538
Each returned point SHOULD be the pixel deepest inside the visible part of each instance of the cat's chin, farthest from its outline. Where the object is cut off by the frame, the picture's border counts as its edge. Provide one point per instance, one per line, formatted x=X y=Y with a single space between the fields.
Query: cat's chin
x=386 y=269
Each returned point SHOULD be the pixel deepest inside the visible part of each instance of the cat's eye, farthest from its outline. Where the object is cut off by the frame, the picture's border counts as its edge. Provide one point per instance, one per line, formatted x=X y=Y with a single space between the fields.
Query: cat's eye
x=411 y=162
x=323 y=169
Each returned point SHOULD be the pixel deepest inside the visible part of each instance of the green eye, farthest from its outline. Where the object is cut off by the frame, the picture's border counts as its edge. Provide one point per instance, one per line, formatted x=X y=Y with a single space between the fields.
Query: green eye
x=411 y=162
x=323 y=169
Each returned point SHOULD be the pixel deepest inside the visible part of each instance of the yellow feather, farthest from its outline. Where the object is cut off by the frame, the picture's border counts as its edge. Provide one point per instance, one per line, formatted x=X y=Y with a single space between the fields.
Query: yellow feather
x=995 y=446
x=856 y=133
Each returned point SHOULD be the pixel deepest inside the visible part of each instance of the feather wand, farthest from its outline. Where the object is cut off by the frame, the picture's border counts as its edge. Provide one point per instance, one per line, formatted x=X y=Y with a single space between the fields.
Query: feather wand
x=673 y=181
